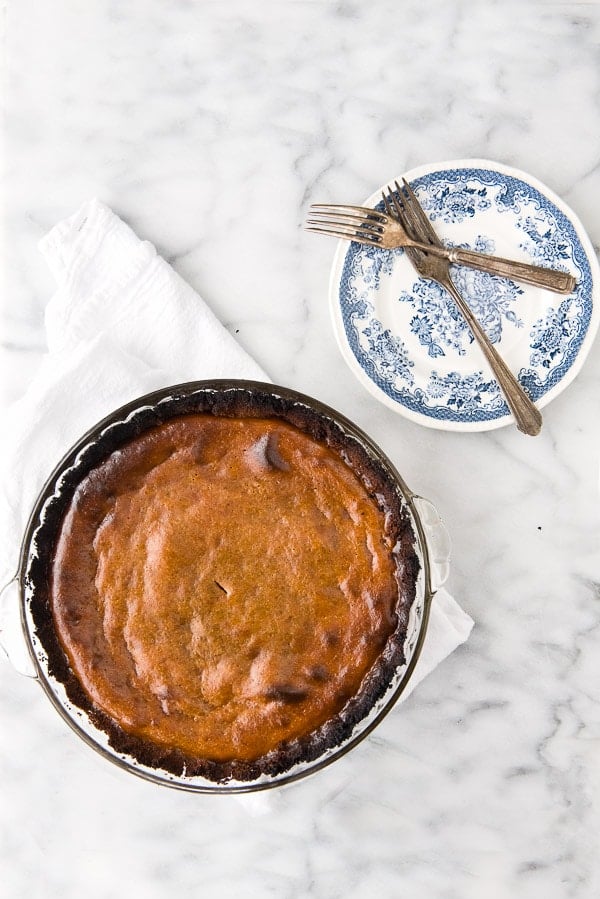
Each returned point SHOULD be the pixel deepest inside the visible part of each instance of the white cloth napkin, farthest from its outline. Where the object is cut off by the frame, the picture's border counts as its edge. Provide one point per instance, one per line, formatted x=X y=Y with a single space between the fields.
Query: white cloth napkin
x=122 y=323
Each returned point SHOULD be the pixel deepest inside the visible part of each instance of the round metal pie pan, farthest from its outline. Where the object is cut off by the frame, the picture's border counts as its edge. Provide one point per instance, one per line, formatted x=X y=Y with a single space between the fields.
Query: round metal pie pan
x=431 y=547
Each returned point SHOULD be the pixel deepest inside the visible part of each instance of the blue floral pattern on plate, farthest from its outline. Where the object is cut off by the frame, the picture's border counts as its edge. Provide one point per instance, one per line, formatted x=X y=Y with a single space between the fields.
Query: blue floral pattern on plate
x=406 y=334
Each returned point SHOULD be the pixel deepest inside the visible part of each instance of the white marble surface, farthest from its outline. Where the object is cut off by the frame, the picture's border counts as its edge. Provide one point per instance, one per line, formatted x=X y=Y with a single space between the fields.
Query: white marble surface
x=209 y=127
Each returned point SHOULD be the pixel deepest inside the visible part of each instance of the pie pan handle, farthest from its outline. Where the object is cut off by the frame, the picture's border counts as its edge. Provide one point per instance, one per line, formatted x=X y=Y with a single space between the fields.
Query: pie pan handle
x=12 y=638
x=438 y=545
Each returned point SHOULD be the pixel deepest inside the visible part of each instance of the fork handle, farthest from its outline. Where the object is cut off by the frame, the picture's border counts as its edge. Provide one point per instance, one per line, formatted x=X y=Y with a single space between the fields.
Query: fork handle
x=527 y=416
x=549 y=278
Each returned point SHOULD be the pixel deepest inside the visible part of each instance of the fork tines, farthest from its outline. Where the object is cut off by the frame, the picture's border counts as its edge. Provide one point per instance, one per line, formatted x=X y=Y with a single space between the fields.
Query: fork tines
x=354 y=222
x=410 y=213
x=399 y=205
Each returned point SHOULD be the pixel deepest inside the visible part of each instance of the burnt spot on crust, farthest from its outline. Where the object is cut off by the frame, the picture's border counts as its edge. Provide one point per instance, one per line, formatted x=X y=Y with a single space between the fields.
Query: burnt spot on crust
x=319 y=673
x=331 y=637
x=263 y=455
x=272 y=454
x=291 y=693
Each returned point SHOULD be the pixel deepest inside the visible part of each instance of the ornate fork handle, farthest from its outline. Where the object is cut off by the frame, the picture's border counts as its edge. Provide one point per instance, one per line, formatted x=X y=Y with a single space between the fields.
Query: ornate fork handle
x=561 y=282
x=528 y=418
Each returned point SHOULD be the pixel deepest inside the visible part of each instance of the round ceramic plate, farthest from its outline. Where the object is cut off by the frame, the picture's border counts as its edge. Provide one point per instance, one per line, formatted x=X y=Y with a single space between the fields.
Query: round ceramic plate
x=403 y=336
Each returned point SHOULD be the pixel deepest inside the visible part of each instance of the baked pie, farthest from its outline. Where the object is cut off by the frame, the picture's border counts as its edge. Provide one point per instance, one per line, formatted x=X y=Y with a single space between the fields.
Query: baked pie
x=229 y=589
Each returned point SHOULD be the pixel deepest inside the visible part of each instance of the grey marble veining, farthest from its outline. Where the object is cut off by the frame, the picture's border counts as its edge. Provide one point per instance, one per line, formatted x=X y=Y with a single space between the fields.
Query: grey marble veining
x=210 y=128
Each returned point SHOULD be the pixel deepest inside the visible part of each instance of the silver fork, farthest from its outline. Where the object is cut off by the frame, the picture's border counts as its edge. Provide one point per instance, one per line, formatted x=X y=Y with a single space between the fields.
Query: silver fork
x=429 y=264
x=375 y=228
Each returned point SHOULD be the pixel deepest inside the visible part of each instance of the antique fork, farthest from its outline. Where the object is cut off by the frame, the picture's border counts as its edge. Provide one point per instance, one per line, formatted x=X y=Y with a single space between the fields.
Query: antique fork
x=374 y=228
x=429 y=264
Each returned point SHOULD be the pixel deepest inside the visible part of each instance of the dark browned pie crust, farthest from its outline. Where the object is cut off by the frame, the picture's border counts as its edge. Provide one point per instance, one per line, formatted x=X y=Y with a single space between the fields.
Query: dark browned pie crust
x=241 y=402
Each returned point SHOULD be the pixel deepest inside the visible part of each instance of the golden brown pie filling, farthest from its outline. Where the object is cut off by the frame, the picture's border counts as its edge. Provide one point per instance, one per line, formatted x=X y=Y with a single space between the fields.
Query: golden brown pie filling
x=223 y=585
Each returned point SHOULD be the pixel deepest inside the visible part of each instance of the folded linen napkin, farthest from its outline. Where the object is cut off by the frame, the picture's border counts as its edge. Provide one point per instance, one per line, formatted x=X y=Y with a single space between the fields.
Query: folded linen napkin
x=122 y=323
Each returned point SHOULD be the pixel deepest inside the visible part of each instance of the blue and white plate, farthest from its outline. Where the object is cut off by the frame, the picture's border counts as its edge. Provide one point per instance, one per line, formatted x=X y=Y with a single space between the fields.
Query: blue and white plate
x=403 y=336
